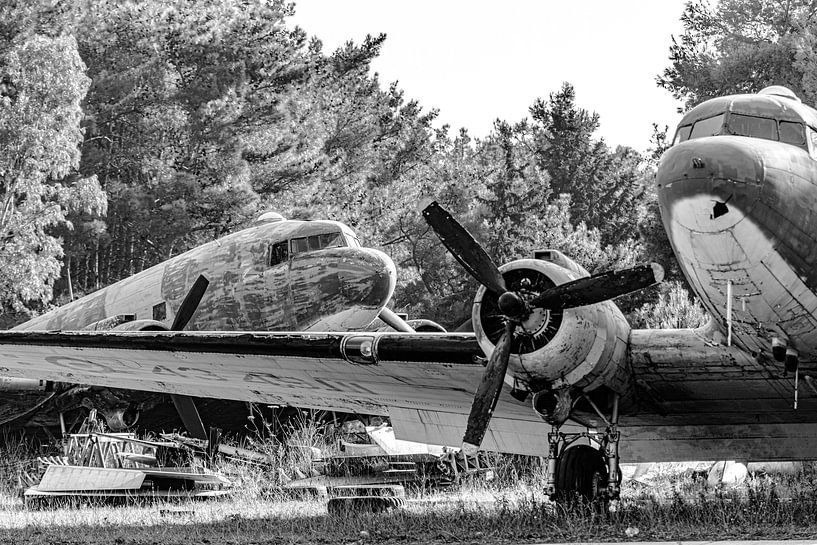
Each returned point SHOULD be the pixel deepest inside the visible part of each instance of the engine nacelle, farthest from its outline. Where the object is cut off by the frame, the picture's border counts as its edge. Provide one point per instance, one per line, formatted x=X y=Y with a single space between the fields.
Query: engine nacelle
x=424 y=325
x=583 y=347
x=121 y=419
x=141 y=325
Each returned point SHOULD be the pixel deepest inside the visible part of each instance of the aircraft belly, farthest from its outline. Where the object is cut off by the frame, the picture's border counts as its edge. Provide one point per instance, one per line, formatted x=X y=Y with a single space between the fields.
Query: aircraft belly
x=349 y=319
x=523 y=435
x=769 y=298
x=757 y=442
x=639 y=443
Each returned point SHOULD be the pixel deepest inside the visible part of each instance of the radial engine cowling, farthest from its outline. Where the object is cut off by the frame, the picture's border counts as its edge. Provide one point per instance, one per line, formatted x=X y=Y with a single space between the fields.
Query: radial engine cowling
x=583 y=347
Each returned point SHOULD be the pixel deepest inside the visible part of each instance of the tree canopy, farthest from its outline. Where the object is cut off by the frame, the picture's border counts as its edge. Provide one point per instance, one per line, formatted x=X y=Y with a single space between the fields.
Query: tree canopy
x=190 y=118
x=742 y=46
x=40 y=114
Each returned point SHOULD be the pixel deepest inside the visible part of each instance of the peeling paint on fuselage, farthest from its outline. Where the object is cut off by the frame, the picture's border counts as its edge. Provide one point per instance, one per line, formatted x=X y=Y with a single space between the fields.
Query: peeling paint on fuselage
x=763 y=238
x=333 y=288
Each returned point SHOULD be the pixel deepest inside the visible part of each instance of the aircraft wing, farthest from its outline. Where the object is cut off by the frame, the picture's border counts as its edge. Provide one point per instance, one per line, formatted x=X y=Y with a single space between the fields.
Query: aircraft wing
x=424 y=382
x=696 y=400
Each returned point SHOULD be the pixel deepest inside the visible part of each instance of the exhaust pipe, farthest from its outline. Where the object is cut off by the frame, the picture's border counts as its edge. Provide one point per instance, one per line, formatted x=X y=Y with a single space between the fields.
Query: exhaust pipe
x=553 y=406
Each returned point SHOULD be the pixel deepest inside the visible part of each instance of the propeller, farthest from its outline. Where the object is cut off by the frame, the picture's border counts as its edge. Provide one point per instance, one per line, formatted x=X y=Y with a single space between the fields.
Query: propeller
x=186 y=405
x=515 y=307
x=190 y=303
x=464 y=248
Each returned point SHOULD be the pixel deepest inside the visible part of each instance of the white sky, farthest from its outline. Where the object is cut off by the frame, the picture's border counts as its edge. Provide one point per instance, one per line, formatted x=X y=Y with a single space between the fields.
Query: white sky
x=477 y=61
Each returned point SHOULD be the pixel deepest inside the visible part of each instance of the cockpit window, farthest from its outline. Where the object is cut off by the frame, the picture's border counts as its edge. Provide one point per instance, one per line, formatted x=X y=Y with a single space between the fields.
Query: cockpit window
x=332 y=240
x=278 y=253
x=299 y=245
x=281 y=251
x=812 y=136
x=789 y=132
x=793 y=133
x=707 y=127
x=682 y=134
x=316 y=242
x=749 y=125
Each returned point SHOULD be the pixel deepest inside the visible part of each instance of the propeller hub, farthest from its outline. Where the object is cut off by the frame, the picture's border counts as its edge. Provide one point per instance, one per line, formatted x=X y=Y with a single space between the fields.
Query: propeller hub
x=512 y=305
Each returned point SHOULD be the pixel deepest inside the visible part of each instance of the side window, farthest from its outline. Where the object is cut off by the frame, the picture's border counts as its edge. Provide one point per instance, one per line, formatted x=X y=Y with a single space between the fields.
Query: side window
x=812 y=136
x=298 y=245
x=682 y=134
x=278 y=253
x=793 y=133
x=707 y=127
x=160 y=311
x=331 y=240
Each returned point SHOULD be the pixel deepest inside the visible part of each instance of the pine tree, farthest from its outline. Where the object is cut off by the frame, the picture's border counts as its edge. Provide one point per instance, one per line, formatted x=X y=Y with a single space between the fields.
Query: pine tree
x=44 y=83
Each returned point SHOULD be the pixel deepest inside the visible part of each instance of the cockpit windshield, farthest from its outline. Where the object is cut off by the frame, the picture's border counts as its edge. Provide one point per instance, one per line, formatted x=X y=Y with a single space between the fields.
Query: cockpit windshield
x=700 y=129
x=282 y=251
x=793 y=133
x=749 y=125
x=316 y=242
x=789 y=132
x=707 y=127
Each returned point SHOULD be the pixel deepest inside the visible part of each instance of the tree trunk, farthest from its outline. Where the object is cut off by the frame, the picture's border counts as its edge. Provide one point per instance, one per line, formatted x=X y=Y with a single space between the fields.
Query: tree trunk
x=68 y=275
x=96 y=265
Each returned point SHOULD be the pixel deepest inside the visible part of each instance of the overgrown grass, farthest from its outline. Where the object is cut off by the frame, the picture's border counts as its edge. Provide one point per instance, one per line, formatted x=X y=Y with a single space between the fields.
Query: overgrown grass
x=512 y=507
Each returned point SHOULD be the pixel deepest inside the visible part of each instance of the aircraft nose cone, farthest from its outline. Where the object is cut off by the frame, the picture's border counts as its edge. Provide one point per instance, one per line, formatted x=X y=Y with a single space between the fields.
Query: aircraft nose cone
x=710 y=184
x=716 y=157
x=372 y=281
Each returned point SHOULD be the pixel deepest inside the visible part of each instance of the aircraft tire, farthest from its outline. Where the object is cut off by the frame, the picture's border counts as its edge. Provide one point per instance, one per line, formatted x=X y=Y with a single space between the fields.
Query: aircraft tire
x=581 y=476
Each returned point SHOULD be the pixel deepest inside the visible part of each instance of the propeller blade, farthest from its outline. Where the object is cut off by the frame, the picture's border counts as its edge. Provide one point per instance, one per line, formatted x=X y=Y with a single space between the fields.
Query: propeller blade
x=189 y=413
x=599 y=287
x=391 y=319
x=190 y=303
x=464 y=248
x=186 y=405
x=488 y=392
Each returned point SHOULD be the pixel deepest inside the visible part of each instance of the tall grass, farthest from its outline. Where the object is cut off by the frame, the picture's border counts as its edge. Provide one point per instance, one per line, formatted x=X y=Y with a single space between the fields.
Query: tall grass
x=513 y=506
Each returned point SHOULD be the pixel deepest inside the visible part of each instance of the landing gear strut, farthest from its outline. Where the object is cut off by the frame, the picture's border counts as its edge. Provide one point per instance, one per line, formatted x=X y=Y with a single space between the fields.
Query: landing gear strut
x=584 y=471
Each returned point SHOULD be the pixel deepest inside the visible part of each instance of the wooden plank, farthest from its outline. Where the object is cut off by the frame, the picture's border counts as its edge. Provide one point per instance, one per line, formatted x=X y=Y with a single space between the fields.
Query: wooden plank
x=131 y=438
x=36 y=491
x=71 y=478
x=181 y=474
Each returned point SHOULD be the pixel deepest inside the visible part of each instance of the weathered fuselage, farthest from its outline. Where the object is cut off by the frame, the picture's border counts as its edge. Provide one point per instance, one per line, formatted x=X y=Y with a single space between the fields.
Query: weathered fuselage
x=275 y=276
x=739 y=203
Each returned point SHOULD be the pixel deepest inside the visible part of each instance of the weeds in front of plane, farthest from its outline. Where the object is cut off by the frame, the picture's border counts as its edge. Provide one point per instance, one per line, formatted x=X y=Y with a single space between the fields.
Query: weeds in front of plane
x=677 y=505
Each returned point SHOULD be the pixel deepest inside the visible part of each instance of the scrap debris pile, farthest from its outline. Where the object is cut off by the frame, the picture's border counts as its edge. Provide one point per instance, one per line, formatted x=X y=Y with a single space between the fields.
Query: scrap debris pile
x=369 y=473
x=113 y=466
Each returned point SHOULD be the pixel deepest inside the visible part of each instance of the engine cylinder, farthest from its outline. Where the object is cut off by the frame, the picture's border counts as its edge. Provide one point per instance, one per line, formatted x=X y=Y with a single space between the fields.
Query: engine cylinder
x=141 y=325
x=121 y=419
x=583 y=347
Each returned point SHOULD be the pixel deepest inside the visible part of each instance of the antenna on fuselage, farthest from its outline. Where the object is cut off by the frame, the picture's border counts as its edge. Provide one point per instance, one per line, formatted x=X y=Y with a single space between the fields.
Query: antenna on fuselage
x=780 y=91
x=269 y=217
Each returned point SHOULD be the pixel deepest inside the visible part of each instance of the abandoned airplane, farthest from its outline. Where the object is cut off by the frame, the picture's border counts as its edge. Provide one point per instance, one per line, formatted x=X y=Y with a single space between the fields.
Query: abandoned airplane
x=735 y=192
x=277 y=275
